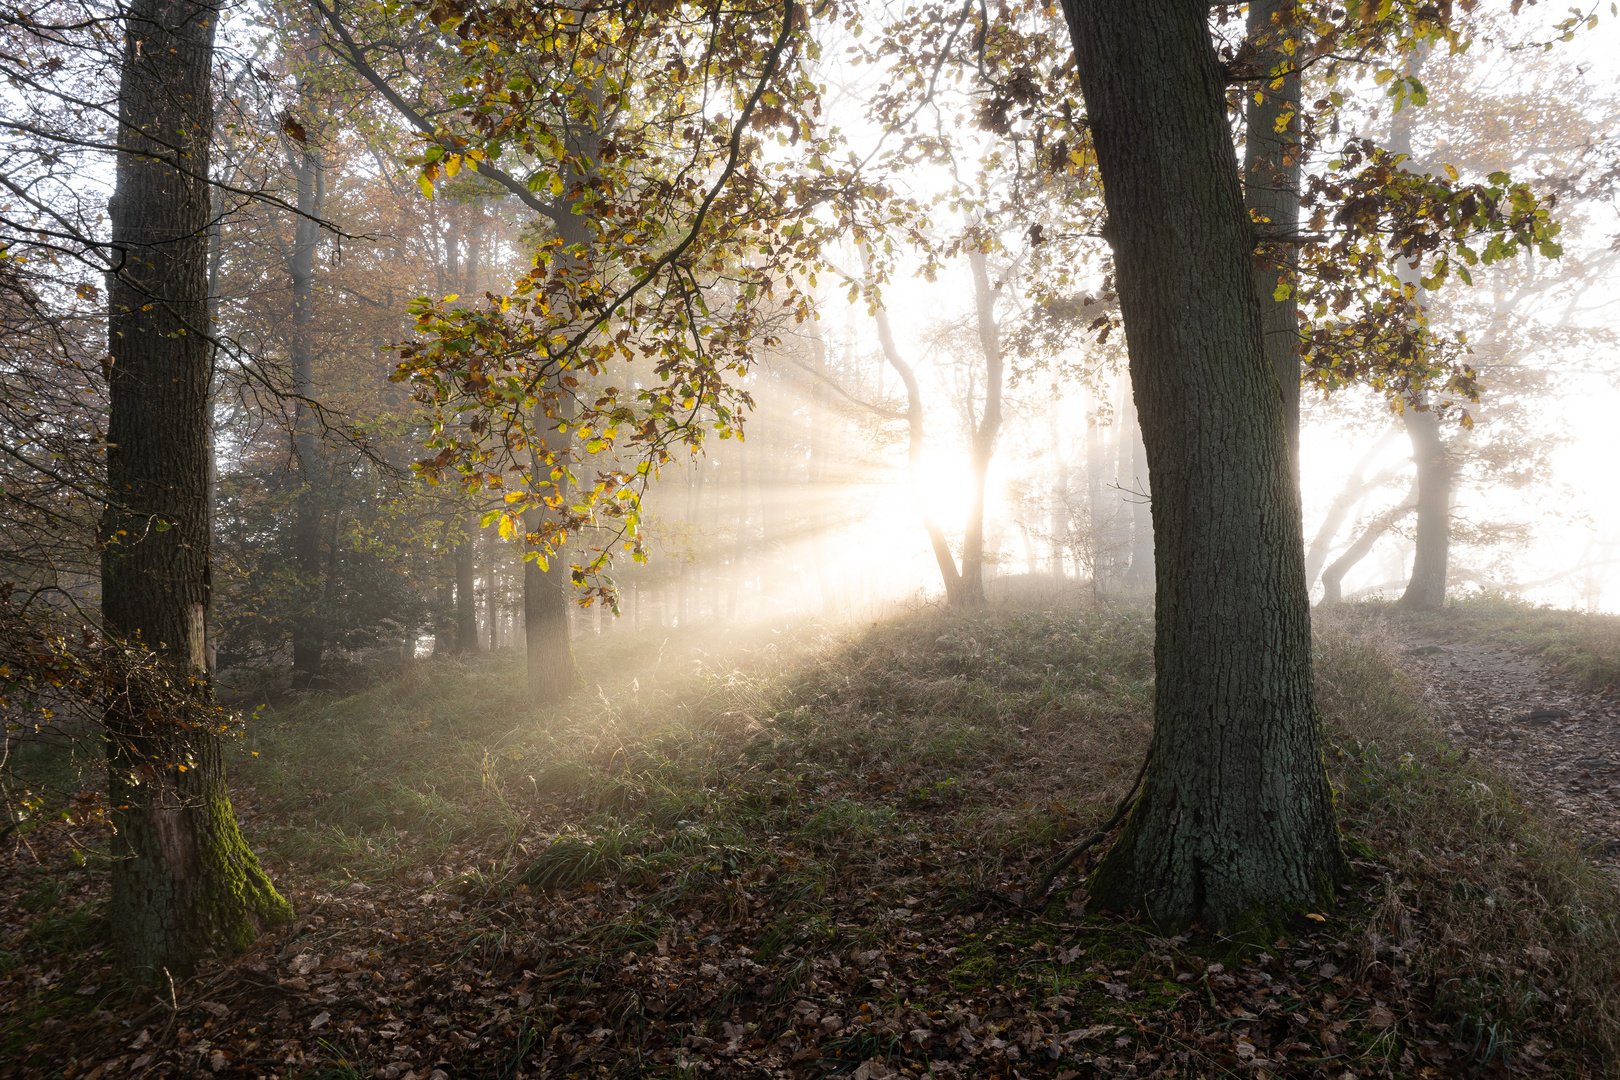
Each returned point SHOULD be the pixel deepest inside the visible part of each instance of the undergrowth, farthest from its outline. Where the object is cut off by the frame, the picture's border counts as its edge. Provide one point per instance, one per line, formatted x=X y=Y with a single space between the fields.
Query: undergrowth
x=737 y=839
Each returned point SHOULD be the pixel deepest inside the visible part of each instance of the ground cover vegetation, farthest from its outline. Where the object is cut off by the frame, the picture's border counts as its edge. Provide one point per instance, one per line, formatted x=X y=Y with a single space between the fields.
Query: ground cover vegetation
x=808 y=852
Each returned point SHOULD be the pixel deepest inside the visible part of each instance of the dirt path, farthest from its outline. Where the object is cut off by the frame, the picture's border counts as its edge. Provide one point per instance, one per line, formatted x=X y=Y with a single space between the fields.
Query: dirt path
x=1559 y=743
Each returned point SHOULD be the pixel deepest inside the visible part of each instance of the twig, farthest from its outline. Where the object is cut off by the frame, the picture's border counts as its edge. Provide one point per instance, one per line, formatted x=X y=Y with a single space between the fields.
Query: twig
x=1091 y=841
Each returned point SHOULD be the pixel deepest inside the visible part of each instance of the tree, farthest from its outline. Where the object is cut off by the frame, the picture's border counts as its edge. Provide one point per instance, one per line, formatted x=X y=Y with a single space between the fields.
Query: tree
x=1235 y=814
x=184 y=881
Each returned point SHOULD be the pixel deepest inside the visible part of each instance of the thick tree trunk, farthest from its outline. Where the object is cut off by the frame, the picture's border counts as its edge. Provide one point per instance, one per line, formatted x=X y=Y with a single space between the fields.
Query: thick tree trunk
x=1235 y=816
x=184 y=882
x=308 y=630
x=1272 y=166
x=1333 y=575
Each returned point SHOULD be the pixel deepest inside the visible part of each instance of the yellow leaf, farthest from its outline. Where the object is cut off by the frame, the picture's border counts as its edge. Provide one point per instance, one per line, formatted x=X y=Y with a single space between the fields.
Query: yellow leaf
x=426 y=185
x=1314 y=915
x=452 y=164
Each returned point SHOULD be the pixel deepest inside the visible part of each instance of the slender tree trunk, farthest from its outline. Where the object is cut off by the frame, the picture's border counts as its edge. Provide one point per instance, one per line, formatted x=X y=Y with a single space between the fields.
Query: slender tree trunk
x=466 y=589
x=1096 y=534
x=548 y=592
x=1426 y=591
x=1272 y=167
x=951 y=577
x=1333 y=575
x=308 y=630
x=1355 y=489
x=1235 y=816
x=984 y=436
x=816 y=507
x=1058 y=523
x=184 y=882
x=1140 y=574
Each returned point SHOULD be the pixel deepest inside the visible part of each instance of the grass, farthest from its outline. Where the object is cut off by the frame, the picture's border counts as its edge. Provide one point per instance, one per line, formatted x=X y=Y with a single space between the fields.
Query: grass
x=1501 y=914
x=861 y=806
x=1585 y=648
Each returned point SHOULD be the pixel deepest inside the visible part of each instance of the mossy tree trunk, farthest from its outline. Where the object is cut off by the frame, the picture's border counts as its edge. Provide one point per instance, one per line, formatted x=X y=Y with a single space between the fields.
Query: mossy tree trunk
x=184 y=882
x=1235 y=817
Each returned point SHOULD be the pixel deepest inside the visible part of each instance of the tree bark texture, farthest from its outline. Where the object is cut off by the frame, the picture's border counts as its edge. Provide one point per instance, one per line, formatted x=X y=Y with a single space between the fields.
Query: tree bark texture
x=1272 y=167
x=1235 y=816
x=184 y=882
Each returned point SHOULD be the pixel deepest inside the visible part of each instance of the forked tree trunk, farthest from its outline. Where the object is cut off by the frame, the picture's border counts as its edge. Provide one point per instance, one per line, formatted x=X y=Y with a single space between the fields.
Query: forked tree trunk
x=949 y=575
x=1235 y=816
x=184 y=882
x=1333 y=574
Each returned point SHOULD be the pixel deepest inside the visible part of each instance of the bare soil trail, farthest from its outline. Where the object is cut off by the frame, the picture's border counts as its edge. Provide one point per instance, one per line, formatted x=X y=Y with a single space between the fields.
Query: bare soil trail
x=1559 y=743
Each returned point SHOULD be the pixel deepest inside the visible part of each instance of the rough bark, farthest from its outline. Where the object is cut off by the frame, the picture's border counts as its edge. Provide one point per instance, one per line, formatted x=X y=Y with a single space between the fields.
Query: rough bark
x=1235 y=817
x=184 y=882
x=1271 y=169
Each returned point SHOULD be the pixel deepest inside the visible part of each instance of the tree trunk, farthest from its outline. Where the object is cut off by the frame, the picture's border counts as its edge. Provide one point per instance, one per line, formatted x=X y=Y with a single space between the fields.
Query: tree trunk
x=1427 y=589
x=817 y=505
x=984 y=436
x=1272 y=166
x=308 y=631
x=1235 y=816
x=914 y=454
x=184 y=882
x=1333 y=575
x=466 y=590
x=548 y=593
x=1355 y=489
x=1140 y=574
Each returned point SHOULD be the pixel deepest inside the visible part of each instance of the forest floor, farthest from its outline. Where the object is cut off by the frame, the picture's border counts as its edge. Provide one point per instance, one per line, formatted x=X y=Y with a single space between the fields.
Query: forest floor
x=802 y=850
